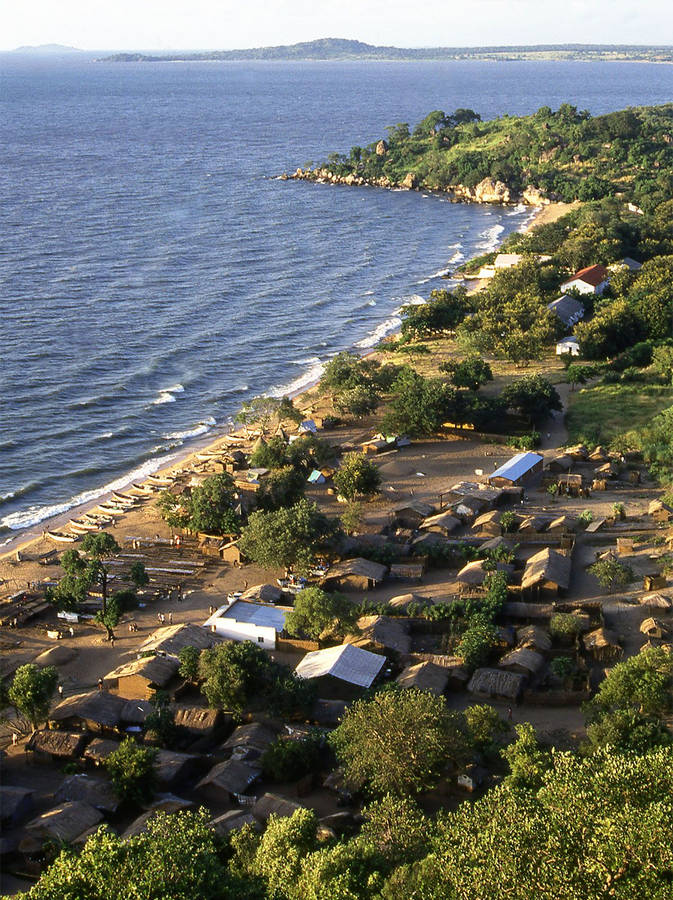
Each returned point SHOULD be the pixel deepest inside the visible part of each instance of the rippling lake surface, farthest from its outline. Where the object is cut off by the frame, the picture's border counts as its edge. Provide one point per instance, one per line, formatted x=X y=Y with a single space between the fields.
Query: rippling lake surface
x=155 y=273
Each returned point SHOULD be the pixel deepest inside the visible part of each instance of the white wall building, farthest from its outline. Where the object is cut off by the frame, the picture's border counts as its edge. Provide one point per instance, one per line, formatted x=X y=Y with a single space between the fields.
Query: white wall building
x=243 y=620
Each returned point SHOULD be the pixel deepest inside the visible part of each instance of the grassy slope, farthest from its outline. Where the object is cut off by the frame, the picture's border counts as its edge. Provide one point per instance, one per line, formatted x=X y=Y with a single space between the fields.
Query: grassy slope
x=605 y=411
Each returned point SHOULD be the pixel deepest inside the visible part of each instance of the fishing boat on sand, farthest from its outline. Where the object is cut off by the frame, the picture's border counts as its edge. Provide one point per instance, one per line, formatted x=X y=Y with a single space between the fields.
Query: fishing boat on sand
x=62 y=537
x=82 y=527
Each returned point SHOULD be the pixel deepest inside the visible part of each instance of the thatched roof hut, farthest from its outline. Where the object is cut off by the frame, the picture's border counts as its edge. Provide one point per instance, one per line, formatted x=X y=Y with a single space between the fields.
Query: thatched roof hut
x=496 y=683
x=141 y=677
x=655 y=628
x=424 y=676
x=65 y=822
x=524 y=660
x=227 y=779
x=99 y=749
x=547 y=571
x=355 y=575
x=533 y=524
x=171 y=639
x=171 y=767
x=267 y=593
x=412 y=513
x=381 y=633
x=402 y=602
x=250 y=740
x=660 y=511
x=232 y=820
x=602 y=644
x=97 y=792
x=656 y=601
x=488 y=524
x=535 y=637
x=442 y=523
x=199 y=722
x=474 y=573
x=134 y=712
x=515 y=609
x=274 y=804
x=93 y=710
x=57 y=744
x=562 y=525
x=169 y=803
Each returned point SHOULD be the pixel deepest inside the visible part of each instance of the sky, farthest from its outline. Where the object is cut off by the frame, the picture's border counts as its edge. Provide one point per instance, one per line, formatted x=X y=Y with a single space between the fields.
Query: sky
x=227 y=24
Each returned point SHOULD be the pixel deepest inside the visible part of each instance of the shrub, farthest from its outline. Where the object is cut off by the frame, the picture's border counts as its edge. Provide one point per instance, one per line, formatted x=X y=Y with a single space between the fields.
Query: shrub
x=564 y=625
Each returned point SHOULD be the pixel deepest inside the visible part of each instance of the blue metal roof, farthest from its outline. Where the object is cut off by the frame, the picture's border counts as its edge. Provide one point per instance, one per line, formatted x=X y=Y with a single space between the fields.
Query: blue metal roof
x=517 y=466
x=256 y=614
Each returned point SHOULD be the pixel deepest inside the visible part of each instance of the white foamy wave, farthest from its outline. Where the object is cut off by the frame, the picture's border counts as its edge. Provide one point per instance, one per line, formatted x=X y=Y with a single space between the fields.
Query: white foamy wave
x=310 y=361
x=519 y=208
x=440 y=273
x=105 y=436
x=491 y=238
x=166 y=395
x=372 y=303
x=36 y=514
x=368 y=293
x=377 y=335
x=198 y=429
x=303 y=381
x=457 y=256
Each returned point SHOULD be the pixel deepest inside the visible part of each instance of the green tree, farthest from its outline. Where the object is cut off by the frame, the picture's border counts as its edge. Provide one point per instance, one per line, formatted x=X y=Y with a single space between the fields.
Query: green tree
x=642 y=683
x=527 y=760
x=419 y=406
x=315 y=611
x=399 y=742
x=31 y=691
x=611 y=574
x=258 y=411
x=138 y=575
x=288 y=760
x=281 y=488
x=271 y=454
x=628 y=730
x=282 y=847
x=359 y=401
x=211 y=506
x=232 y=673
x=131 y=770
x=471 y=372
x=189 y=663
x=476 y=644
x=286 y=537
x=662 y=361
x=534 y=396
x=484 y=725
x=117 y=605
x=351 y=516
x=161 y=721
x=99 y=547
x=357 y=476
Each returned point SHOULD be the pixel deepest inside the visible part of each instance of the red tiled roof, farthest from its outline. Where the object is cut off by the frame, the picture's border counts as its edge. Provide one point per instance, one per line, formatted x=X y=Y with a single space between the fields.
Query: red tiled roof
x=592 y=275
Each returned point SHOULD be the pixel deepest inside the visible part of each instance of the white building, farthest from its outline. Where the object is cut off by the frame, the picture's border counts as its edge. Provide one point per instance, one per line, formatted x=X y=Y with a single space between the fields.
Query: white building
x=568 y=345
x=591 y=280
x=243 y=620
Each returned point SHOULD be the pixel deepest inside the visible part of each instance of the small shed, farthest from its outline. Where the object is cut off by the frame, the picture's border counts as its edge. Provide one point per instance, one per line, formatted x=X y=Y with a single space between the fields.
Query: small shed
x=535 y=637
x=547 y=572
x=354 y=575
x=522 y=469
x=265 y=593
x=172 y=768
x=568 y=345
x=141 y=677
x=424 y=676
x=475 y=573
x=381 y=634
x=488 y=524
x=97 y=792
x=496 y=683
x=562 y=525
x=656 y=601
x=403 y=602
x=522 y=659
x=570 y=484
x=602 y=644
x=560 y=463
x=341 y=672
x=90 y=711
x=467 y=508
x=250 y=741
x=232 y=820
x=655 y=628
x=660 y=511
x=533 y=524
x=99 y=749
x=58 y=745
x=199 y=722
x=273 y=804
x=654 y=581
x=227 y=779
x=171 y=639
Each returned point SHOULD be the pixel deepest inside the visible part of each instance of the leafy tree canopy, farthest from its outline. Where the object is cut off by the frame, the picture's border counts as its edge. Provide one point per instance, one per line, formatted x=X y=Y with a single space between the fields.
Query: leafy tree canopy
x=316 y=611
x=285 y=538
x=357 y=476
x=31 y=691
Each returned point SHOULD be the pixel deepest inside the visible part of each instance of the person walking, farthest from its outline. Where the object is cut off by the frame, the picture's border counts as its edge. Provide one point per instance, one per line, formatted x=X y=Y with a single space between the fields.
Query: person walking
x=100 y=684
x=170 y=618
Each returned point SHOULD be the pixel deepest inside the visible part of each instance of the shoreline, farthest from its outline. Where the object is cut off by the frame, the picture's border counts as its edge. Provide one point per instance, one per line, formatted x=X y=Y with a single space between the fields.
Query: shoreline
x=182 y=460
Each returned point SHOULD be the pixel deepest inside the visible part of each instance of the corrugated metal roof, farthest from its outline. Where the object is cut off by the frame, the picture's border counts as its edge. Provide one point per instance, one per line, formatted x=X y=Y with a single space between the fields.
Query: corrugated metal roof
x=252 y=613
x=346 y=662
x=517 y=466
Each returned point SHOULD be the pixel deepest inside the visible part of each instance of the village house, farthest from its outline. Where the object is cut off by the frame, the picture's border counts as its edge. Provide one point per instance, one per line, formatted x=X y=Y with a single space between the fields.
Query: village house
x=568 y=345
x=521 y=469
x=227 y=780
x=590 y=280
x=524 y=660
x=568 y=310
x=16 y=804
x=546 y=572
x=660 y=511
x=242 y=620
x=141 y=677
x=441 y=523
x=199 y=722
x=48 y=746
x=97 y=792
x=64 y=823
x=424 y=676
x=381 y=634
x=249 y=741
x=603 y=645
x=171 y=639
x=496 y=683
x=354 y=575
x=96 y=711
x=488 y=524
x=412 y=513
x=341 y=672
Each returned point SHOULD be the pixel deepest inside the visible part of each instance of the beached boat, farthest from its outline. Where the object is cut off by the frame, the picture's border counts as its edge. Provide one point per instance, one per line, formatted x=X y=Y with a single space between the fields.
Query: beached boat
x=100 y=521
x=124 y=498
x=62 y=537
x=82 y=527
x=146 y=488
x=111 y=510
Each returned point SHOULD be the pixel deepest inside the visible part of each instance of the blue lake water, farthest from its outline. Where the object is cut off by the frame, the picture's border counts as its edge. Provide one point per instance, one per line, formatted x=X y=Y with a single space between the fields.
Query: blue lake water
x=154 y=273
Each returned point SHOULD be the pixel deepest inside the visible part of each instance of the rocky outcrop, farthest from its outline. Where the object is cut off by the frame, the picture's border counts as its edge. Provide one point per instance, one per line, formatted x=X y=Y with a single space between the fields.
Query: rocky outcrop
x=487 y=191
x=381 y=148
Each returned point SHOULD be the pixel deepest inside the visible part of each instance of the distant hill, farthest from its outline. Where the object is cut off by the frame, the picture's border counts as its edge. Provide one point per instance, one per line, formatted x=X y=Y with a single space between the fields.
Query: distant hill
x=341 y=49
x=47 y=49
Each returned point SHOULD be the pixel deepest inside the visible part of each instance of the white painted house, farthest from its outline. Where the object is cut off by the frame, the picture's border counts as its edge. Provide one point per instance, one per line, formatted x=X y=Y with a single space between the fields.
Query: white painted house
x=591 y=280
x=244 y=620
x=568 y=345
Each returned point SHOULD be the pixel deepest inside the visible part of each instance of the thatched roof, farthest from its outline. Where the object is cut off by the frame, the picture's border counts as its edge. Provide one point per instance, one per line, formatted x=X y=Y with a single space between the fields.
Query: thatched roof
x=416 y=507
x=154 y=669
x=364 y=568
x=425 y=676
x=562 y=462
x=599 y=452
x=534 y=523
x=656 y=601
x=547 y=566
x=14 y=802
x=65 y=744
x=563 y=523
x=474 y=572
x=274 y=803
x=268 y=593
x=232 y=820
x=493 y=516
x=515 y=609
x=134 y=712
x=601 y=638
x=168 y=803
x=88 y=789
x=443 y=522
x=100 y=748
x=533 y=636
x=55 y=656
x=497 y=683
x=381 y=631
x=659 y=506
x=523 y=658
x=404 y=601
x=64 y=822
x=232 y=776
x=253 y=736
x=94 y=706
x=197 y=720
x=169 y=766
x=171 y=639
x=578 y=451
